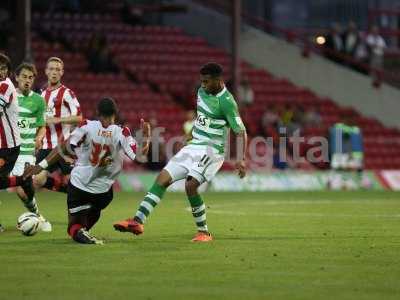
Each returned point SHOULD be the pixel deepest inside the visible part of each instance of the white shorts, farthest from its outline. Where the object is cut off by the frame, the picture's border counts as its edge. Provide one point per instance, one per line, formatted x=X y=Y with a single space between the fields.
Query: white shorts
x=20 y=164
x=345 y=161
x=199 y=162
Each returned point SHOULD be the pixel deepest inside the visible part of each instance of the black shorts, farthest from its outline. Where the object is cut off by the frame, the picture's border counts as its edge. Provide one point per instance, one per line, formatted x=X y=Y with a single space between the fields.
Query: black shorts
x=79 y=201
x=61 y=165
x=8 y=157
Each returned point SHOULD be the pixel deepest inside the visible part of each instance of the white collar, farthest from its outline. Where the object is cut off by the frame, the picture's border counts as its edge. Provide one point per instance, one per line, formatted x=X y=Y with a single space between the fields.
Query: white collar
x=221 y=92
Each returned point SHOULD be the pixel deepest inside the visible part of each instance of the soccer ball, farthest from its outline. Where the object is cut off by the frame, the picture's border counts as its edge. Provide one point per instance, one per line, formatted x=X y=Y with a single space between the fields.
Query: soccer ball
x=28 y=223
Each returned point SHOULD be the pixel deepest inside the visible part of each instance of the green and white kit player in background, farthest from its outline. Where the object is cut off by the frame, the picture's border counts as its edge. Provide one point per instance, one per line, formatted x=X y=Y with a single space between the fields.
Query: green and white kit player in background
x=201 y=159
x=31 y=122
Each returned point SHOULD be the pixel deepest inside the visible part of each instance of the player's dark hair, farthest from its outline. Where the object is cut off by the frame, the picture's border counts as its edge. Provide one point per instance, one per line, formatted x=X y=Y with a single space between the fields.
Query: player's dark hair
x=5 y=60
x=26 y=66
x=107 y=107
x=212 y=69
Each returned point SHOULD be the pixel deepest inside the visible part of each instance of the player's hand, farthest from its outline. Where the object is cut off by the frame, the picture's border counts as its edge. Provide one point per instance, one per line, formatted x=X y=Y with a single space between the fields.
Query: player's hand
x=146 y=129
x=241 y=167
x=69 y=160
x=31 y=170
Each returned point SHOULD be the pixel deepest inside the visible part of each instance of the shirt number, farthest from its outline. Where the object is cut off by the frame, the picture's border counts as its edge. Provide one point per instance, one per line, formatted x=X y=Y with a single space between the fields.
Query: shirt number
x=100 y=155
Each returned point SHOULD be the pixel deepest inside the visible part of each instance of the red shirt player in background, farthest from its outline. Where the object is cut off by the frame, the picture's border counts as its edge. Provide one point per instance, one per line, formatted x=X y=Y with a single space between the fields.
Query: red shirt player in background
x=62 y=115
x=9 y=132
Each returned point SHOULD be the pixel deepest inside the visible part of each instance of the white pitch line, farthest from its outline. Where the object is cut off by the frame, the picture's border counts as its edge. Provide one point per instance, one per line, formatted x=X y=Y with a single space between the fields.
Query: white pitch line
x=297 y=214
x=303 y=202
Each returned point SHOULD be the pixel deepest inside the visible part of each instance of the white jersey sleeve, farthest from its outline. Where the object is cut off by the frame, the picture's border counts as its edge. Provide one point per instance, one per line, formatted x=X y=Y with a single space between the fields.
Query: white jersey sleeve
x=72 y=103
x=9 y=130
x=7 y=92
x=78 y=135
x=128 y=143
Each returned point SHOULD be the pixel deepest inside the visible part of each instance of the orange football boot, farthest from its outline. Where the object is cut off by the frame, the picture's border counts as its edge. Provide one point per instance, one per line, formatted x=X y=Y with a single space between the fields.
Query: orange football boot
x=202 y=236
x=129 y=225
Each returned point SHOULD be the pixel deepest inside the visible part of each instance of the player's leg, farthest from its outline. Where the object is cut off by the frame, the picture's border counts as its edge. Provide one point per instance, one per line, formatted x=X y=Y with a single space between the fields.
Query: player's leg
x=18 y=170
x=27 y=193
x=205 y=165
x=150 y=201
x=44 y=180
x=60 y=185
x=55 y=184
x=196 y=202
x=99 y=202
x=8 y=157
x=79 y=207
x=177 y=168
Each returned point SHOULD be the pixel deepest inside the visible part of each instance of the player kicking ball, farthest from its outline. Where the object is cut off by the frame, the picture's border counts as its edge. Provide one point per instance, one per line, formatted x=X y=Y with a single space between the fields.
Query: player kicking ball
x=201 y=159
x=97 y=145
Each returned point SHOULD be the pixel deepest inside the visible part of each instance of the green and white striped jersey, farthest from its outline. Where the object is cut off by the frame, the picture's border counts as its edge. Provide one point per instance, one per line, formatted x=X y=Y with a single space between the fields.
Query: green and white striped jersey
x=31 y=115
x=216 y=114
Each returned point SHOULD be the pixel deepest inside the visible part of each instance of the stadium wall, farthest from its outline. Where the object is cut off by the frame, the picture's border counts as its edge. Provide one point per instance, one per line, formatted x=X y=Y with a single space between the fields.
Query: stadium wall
x=324 y=77
x=282 y=59
x=275 y=181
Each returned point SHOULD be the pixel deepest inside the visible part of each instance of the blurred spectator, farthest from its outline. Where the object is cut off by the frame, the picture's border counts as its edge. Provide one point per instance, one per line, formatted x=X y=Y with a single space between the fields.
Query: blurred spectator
x=188 y=125
x=351 y=39
x=297 y=121
x=334 y=43
x=279 y=162
x=99 y=56
x=376 y=48
x=287 y=114
x=361 y=55
x=271 y=117
x=312 y=118
x=245 y=93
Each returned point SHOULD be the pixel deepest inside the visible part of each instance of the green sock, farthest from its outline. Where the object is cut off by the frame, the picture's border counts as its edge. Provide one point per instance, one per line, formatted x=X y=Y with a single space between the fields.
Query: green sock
x=199 y=212
x=150 y=201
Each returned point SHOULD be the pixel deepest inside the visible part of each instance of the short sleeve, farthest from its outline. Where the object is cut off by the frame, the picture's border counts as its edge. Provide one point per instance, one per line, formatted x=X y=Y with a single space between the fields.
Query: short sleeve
x=128 y=143
x=72 y=103
x=78 y=135
x=231 y=113
x=6 y=94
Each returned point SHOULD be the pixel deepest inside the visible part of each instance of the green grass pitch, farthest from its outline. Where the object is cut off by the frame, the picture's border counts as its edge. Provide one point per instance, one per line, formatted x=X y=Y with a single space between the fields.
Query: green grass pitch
x=326 y=245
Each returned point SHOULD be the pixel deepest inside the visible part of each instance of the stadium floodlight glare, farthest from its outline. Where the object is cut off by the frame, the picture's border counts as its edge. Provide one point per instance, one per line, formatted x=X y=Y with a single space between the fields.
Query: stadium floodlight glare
x=320 y=40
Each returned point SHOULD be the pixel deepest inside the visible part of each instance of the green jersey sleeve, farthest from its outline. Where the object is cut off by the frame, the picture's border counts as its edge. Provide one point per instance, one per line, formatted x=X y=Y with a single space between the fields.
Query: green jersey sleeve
x=231 y=112
x=40 y=114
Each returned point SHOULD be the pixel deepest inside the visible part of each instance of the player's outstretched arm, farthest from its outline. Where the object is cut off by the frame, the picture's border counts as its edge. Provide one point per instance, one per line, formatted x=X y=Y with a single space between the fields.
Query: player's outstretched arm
x=40 y=133
x=241 y=144
x=73 y=120
x=54 y=156
x=146 y=129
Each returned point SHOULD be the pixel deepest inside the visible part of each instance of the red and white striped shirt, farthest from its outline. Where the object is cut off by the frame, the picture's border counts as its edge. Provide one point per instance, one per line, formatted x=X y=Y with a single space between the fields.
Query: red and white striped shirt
x=61 y=103
x=9 y=130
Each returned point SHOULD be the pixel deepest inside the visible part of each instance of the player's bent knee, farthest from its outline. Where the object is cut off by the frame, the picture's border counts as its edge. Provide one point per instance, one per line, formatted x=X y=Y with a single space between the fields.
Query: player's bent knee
x=191 y=185
x=164 y=178
x=40 y=179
